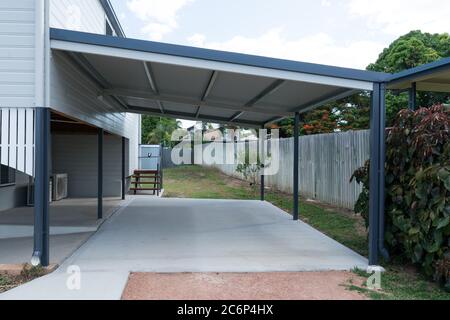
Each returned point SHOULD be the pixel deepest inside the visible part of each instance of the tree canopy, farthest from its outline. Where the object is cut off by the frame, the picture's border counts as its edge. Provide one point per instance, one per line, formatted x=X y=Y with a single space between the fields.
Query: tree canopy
x=158 y=130
x=411 y=50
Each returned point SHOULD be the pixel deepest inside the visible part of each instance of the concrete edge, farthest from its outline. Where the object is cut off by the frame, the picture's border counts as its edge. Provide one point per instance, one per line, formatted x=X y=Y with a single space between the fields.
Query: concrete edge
x=124 y=204
x=325 y=235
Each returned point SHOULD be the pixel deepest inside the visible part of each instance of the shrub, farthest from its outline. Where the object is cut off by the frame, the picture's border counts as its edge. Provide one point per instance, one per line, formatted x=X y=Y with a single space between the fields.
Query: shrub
x=249 y=170
x=417 y=189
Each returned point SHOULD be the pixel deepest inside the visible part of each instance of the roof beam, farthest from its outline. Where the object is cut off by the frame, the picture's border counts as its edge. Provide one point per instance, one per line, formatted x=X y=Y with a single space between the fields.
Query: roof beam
x=320 y=102
x=276 y=119
x=267 y=91
x=86 y=67
x=151 y=80
x=433 y=87
x=317 y=103
x=194 y=102
x=197 y=114
x=236 y=116
x=209 y=87
x=187 y=116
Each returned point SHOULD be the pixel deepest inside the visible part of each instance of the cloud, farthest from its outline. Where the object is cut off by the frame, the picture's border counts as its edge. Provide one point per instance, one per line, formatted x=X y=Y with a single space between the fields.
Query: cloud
x=160 y=16
x=317 y=48
x=401 y=16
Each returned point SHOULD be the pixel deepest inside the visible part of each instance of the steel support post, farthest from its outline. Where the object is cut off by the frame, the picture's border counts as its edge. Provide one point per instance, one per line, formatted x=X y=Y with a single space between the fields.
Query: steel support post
x=412 y=103
x=296 y=156
x=123 y=169
x=100 y=175
x=42 y=188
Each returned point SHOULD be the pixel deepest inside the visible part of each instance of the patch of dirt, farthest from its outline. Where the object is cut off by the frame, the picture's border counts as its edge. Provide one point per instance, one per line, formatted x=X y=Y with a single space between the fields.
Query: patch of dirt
x=14 y=276
x=234 y=182
x=243 y=286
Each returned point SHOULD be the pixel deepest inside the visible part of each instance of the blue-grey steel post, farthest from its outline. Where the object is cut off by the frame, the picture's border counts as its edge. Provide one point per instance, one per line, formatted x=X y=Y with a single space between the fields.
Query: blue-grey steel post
x=381 y=172
x=374 y=186
x=42 y=186
x=296 y=155
x=100 y=175
x=161 y=159
x=262 y=136
x=123 y=169
x=412 y=103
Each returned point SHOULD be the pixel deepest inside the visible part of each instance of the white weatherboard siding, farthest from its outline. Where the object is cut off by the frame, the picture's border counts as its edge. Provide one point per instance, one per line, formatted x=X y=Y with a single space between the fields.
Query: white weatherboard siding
x=79 y=15
x=17 y=53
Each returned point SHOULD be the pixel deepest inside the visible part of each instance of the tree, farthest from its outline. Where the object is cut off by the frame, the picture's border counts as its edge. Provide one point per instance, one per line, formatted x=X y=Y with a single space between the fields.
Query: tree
x=408 y=51
x=417 y=216
x=156 y=130
x=412 y=50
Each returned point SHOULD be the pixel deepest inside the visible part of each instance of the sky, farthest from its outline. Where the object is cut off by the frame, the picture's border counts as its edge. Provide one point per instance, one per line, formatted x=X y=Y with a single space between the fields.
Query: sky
x=346 y=33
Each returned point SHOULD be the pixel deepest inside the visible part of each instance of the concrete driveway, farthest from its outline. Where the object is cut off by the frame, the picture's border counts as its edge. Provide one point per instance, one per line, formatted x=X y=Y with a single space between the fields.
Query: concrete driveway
x=183 y=235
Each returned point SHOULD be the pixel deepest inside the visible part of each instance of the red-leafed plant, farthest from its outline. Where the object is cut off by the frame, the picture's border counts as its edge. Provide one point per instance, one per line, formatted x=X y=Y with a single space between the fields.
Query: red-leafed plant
x=417 y=189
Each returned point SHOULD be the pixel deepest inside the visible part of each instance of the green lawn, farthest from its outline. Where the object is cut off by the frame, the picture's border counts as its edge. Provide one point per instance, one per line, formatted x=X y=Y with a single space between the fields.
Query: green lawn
x=347 y=228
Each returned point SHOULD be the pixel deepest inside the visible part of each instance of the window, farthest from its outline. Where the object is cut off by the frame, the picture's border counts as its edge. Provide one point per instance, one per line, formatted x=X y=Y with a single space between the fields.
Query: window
x=7 y=175
x=109 y=29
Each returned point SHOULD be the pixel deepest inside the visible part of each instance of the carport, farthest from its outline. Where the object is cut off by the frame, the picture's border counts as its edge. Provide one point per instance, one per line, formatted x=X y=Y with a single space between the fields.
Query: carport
x=198 y=84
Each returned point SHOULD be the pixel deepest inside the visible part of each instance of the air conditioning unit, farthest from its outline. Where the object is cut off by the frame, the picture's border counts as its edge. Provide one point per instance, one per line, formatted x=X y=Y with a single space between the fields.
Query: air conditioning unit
x=60 y=182
x=30 y=192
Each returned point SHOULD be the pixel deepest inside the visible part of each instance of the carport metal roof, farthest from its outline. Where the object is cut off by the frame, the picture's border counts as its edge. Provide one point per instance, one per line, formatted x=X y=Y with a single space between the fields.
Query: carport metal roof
x=434 y=77
x=200 y=84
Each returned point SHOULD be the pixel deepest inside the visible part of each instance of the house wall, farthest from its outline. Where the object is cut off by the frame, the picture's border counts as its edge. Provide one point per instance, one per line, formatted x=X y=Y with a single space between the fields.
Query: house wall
x=76 y=95
x=21 y=24
x=17 y=53
x=22 y=74
x=79 y=15
x=76 y=155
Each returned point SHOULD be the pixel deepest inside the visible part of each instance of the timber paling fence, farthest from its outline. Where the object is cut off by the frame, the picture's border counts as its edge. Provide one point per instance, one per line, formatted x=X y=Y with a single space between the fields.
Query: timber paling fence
x=326 y=164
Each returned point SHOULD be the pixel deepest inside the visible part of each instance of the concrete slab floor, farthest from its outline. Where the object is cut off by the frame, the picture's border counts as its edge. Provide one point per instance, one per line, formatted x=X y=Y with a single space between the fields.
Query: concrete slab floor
x=184 y=235
x=64 y=213
x=19 y=250
x=72 y=221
